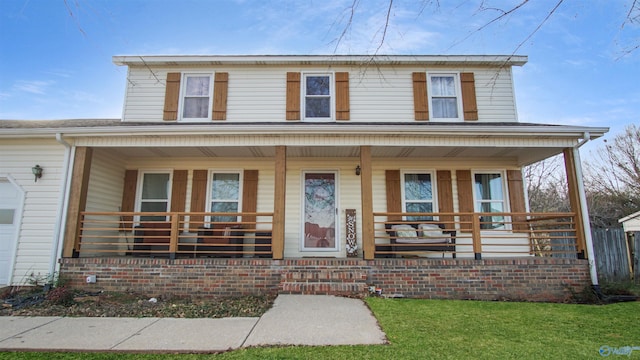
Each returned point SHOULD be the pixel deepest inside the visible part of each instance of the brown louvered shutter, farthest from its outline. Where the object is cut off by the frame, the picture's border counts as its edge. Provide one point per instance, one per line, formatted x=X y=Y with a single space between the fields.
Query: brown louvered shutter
x=250 y=196
x=394 y=195
x=129 y=196
x=220 y=90
x=198 y=198
x=420 y=98
x=516 y=199
x=171 y=96
x=342 y=96
x=179 y=190
x=469 y=104
x=293 y=96
x=445 y=197
x=465 y=198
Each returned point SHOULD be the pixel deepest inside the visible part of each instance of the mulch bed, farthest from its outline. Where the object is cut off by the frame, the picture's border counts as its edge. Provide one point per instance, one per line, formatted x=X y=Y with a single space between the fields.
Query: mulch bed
x=61 y=301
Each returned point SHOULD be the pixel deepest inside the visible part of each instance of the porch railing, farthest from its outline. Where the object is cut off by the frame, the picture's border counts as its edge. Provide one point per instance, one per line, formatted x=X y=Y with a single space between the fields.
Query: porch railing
x=477 y=235
x=174 y=234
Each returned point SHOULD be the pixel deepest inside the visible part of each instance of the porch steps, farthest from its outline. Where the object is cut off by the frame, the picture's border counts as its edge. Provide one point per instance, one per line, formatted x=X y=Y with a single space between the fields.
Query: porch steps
x=313 y=281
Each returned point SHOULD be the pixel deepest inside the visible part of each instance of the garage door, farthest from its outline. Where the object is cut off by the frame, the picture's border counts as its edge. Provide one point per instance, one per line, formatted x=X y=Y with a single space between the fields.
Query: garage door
x=10 y=203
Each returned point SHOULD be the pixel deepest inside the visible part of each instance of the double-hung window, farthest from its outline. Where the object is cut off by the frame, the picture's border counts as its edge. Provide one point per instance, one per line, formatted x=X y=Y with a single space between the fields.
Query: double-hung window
x=196 y=97
x=224 y=195
x=418 y=195
x=318 y=96
x=155 y=194
x=444 y=96
x=489 y=195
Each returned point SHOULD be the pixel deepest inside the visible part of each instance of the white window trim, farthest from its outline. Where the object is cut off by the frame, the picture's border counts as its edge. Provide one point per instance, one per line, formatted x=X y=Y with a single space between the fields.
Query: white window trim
x=434 y=189
x=456 y=81
x=208 y=199
x=141 y=173
x=338 y=223
x=332 y=96
x=183 y=89
x=505 y=201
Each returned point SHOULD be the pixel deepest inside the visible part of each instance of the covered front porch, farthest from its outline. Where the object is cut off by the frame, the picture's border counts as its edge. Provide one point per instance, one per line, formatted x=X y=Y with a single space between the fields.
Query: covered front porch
x=377 y=242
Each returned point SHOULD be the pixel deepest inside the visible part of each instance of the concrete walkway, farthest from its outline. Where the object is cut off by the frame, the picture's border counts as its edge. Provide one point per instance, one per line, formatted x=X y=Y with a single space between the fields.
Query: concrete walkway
x=293 y=320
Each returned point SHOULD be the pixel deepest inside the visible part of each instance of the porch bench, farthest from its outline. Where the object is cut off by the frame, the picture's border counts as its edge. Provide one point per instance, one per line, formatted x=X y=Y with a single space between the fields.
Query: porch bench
x=412 y=236
x=150 y=239
x=211 y=240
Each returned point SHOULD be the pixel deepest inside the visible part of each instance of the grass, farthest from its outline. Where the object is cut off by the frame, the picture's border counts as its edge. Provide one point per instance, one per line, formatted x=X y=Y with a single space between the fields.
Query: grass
x=443 y=329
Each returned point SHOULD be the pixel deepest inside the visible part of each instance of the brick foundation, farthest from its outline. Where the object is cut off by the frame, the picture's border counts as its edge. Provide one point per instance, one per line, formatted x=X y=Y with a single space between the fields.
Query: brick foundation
x=531 y=279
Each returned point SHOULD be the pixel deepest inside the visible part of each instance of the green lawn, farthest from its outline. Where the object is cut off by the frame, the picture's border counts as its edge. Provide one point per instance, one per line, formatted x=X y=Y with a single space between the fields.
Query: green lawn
x=443 y=329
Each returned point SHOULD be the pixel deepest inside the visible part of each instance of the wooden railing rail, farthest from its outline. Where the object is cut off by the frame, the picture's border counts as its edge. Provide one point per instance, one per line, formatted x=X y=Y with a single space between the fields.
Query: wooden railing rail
x=480 y=234
x=175 y=234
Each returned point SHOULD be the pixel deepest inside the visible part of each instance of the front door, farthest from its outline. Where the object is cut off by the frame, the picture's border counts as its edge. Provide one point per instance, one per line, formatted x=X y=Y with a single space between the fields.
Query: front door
x=320 y=212
x=10 y=203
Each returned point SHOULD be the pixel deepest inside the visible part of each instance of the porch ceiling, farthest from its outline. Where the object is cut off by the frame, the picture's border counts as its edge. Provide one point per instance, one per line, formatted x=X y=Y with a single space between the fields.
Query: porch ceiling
x=521 y=155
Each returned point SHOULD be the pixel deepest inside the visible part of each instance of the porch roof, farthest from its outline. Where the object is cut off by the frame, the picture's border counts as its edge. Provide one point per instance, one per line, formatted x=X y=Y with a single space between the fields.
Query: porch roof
x=524 y=143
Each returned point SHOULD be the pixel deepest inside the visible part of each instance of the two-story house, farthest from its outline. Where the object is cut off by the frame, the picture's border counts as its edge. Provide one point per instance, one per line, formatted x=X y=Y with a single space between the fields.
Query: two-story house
x=304 y=174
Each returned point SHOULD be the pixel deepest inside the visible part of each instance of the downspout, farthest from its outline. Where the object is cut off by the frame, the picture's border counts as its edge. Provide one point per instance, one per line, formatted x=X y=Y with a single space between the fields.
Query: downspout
x=586 y=224
x=63 y=203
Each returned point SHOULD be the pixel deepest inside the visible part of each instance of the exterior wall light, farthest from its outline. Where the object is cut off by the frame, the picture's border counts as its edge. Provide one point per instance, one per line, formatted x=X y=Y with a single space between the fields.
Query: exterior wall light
x=358 y=170
x=37 y=172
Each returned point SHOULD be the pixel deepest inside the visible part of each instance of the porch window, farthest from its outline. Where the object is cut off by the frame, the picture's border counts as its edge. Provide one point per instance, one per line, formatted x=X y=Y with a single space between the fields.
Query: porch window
x=225 y=193
x=418 y=195
x=196 y=96
x=154 y=193
x=489 y=198
x=317 y=92
x=444 y=96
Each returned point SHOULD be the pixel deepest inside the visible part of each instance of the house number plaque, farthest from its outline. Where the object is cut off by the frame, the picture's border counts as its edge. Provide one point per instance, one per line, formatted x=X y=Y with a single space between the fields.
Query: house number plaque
x=352 y=240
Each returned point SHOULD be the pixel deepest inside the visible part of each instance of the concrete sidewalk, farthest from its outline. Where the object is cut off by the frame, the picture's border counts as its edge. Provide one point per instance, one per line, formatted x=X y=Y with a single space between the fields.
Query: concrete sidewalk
x=293 y=320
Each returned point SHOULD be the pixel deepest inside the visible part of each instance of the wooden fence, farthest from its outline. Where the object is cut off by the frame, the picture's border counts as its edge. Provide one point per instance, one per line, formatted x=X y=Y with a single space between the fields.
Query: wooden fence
x=617 y=255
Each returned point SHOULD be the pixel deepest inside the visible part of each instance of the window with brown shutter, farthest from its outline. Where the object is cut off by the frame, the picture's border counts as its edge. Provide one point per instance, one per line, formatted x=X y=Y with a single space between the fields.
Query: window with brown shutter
x=468 y=89
x=198 y=198
x=129 y=196
x=179 y=190
x=171 y=96
x=342 y=96
x=420 y=98
x=465 y=198
x=293 y=96
x=250 y=196
x=516 y=199
x=220 y=89
x=445 y=197
x=394 y=195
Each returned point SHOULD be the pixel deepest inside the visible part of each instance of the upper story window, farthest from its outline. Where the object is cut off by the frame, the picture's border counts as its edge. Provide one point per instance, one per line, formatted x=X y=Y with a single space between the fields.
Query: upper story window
x=317 y=94
x=154 y=194
x=444 y=96
x=489 y=195
x=224 y=195
x=418 y=195
x=196 y=97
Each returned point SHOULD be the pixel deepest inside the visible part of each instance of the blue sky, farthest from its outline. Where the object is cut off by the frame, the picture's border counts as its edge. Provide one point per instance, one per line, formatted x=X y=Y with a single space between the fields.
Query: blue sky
x=55 y=55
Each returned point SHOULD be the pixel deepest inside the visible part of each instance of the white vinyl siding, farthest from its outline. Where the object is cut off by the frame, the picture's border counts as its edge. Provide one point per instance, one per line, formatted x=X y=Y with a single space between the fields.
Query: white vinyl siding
x=37 y=230
x=258 y=94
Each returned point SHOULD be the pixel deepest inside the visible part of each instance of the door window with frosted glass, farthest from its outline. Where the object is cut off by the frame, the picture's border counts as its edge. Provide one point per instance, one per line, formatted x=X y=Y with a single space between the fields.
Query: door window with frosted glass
x=225 y=196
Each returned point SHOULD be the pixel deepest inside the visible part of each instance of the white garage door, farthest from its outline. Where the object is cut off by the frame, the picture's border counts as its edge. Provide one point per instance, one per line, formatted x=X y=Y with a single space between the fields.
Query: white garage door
x=10 y=203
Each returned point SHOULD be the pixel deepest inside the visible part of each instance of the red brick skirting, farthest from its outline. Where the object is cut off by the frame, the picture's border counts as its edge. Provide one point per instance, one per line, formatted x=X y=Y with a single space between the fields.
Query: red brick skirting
x=531 y=279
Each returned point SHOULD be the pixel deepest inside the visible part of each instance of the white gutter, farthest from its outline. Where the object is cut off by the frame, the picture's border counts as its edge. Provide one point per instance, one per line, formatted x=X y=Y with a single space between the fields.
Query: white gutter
x=585 y=210
x=328 y=129
x=63 y=203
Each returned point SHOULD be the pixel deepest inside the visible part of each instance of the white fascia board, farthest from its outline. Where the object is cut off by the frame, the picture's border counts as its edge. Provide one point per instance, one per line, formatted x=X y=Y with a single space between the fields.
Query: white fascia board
x=491 y=131
x=173 y=60
x=629 y=217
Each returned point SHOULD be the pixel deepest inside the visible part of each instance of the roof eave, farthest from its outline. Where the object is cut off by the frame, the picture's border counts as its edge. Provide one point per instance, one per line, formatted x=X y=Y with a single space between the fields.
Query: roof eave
x=173 y=60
